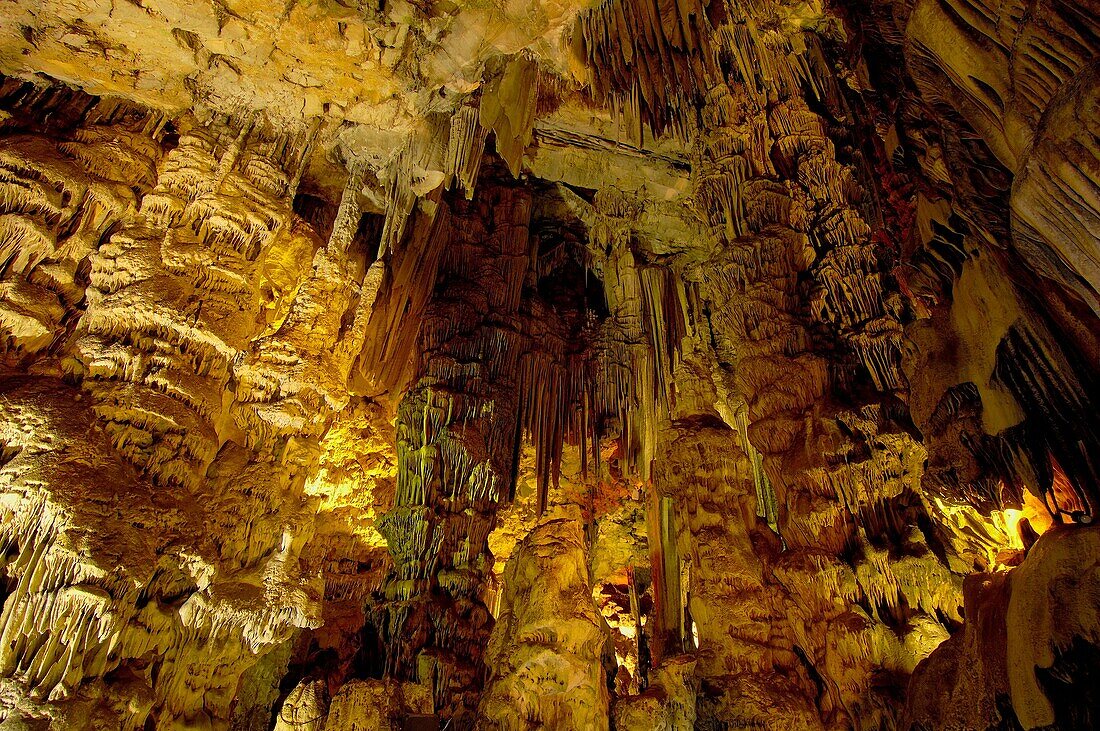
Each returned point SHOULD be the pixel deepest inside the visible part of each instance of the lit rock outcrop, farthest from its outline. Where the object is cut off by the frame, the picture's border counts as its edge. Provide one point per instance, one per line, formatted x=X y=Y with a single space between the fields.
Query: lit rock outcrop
x=1026 y=655
x=163 y=592
x=549 y=642
x=186 y=261
x=60 y=198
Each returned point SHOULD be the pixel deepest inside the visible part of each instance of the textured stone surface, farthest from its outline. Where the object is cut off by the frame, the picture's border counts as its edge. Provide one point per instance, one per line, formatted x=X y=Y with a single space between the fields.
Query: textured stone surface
x=547 y=648
x=604 y=365
x=1028 y=653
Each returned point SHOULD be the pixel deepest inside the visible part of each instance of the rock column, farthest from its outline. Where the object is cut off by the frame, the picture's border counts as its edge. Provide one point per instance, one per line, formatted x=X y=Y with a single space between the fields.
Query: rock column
x=457 y=430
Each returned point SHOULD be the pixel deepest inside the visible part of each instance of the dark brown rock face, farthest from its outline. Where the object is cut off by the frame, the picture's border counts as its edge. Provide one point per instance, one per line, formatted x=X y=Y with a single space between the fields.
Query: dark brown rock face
x=456 y=432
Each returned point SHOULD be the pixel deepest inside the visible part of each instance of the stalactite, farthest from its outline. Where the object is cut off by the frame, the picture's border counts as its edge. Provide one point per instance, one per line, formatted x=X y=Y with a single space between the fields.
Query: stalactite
x=414 y=238
x=767 y=506
x=508 y=108
x=302 y=161
x=1056 y=395
x=650 y=63
x=465 y=148
x=668 y=629
x=347 y=214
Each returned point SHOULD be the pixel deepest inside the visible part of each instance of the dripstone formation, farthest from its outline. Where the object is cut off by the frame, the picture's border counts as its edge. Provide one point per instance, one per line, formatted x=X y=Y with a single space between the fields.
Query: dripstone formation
x=619 y=365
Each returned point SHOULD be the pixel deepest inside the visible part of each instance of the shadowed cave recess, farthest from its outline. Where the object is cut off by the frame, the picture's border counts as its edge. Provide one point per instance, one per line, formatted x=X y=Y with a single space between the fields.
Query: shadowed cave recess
x=636 y=365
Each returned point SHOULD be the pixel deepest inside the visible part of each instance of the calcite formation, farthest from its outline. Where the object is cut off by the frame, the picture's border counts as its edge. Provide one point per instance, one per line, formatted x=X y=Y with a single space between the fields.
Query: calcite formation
x=611 y=365
x=550 y=640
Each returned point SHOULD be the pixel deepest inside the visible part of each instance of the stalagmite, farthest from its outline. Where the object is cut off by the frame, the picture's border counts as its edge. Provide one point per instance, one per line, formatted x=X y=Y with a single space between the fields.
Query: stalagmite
x=547 y=646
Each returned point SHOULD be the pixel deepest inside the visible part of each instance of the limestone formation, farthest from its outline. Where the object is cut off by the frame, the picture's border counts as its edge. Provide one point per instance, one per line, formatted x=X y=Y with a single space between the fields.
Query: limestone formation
x=606 y=365
x=549 y=641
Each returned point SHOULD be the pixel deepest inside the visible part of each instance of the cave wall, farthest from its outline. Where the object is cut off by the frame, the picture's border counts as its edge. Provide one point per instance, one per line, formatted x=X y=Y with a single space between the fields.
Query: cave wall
x=617 y=366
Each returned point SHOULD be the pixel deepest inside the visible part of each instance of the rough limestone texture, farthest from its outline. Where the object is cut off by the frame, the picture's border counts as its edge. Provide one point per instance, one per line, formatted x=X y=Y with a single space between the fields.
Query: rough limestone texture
x=549 y=642
x=560 y=365
x=668 y=704
x=371 y=704
x=1027 y=652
